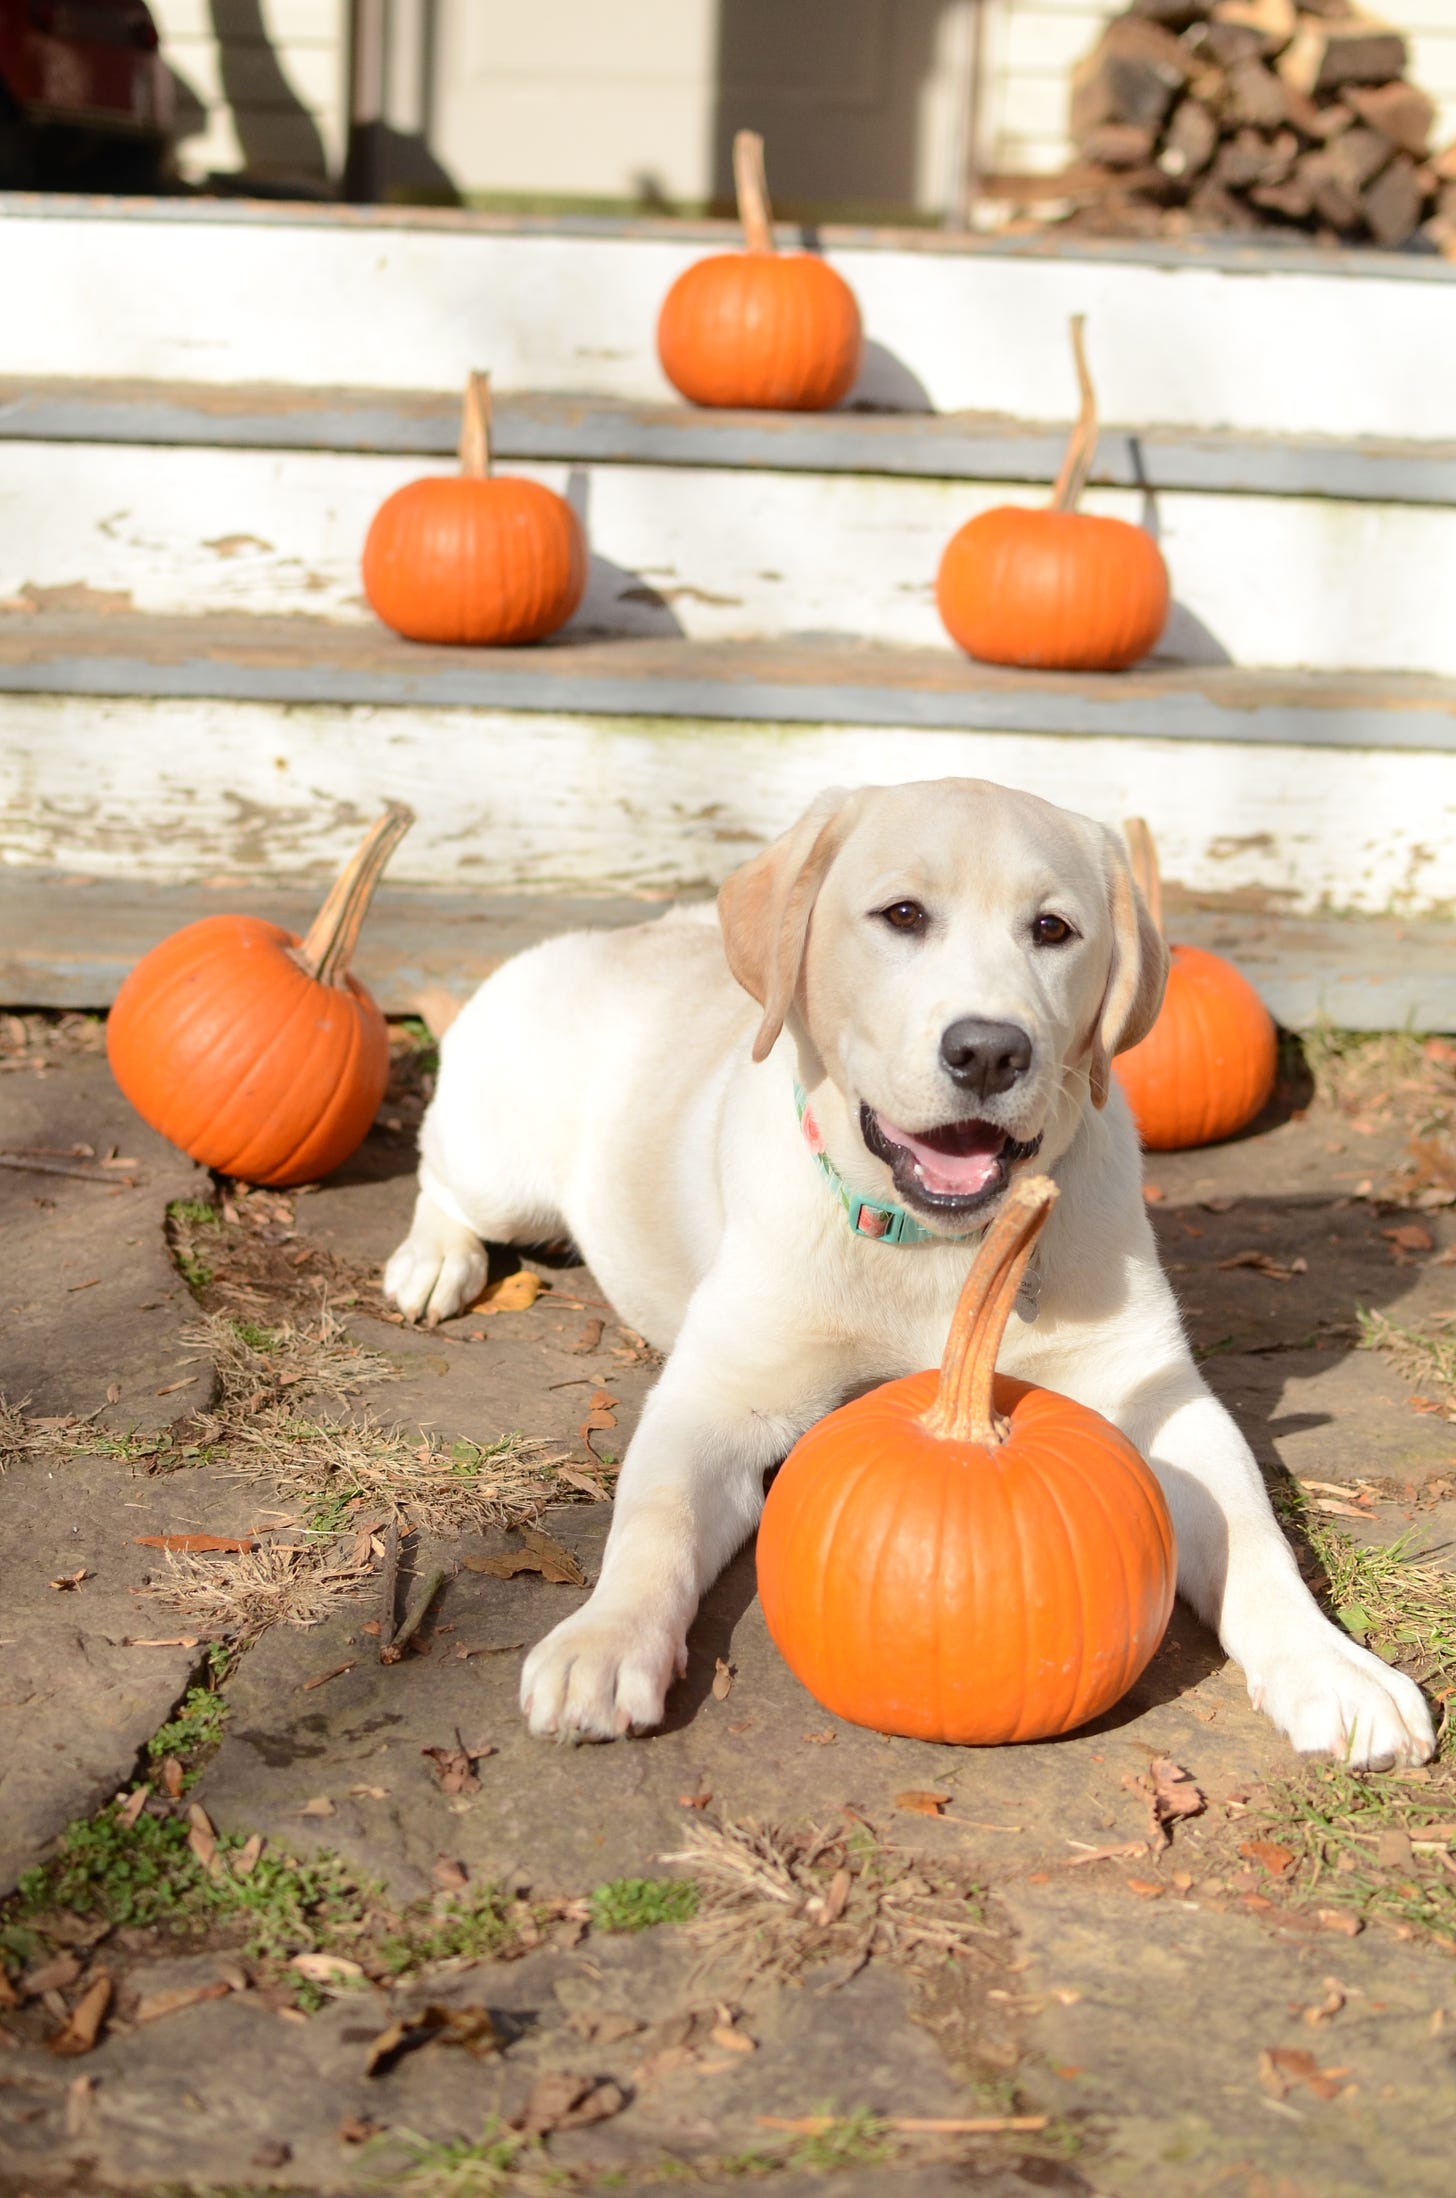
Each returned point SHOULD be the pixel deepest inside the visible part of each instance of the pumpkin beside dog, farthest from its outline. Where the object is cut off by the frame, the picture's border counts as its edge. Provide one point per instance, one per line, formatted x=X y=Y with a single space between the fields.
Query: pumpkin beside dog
x=254 y=1051
x=961 y=1557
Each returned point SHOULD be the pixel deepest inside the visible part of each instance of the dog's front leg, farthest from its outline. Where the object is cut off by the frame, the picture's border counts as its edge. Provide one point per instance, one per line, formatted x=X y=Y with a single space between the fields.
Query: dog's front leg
x=689 y=1494
x=1326 y=1692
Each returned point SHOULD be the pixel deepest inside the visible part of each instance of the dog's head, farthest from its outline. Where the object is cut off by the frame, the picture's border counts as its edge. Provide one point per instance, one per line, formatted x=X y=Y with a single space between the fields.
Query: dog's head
x=956 y=962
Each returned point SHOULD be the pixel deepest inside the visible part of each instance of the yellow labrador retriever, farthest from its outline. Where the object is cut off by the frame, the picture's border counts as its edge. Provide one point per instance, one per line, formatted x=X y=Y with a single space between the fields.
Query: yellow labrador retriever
x=776 y=1139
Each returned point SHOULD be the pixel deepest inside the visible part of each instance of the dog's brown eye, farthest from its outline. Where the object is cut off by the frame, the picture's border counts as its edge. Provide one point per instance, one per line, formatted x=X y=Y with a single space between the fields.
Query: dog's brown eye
x=905 y=916
x=1052 y=931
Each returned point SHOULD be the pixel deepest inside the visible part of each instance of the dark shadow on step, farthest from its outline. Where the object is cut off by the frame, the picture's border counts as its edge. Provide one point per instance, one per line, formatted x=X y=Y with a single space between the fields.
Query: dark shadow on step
x=1184 y=639
x=886 y=384
x=617 y=601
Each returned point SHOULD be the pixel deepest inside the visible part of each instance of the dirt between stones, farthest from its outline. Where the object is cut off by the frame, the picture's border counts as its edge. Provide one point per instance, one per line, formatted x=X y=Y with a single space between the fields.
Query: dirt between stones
x=761 y=1943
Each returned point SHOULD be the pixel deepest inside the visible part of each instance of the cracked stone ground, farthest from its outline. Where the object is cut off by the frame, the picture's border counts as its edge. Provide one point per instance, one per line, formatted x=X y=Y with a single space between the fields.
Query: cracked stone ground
x=361 y=1933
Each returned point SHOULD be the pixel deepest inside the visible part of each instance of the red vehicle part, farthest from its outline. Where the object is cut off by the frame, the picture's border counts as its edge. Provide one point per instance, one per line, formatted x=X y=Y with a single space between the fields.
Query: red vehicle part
x=77 y=76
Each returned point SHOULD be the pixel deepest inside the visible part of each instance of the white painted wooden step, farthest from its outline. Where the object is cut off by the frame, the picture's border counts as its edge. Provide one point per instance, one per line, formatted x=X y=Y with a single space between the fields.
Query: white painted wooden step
x=68 y=942
x=166 y=751
x=724 y=551
x=1259 y=338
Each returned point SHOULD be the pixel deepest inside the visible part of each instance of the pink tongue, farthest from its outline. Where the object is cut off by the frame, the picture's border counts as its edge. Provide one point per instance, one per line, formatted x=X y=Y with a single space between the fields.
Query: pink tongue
x=952 y=1174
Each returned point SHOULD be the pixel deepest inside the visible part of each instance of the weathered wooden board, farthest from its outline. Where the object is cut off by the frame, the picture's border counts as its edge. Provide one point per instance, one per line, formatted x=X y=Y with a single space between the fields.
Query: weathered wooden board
x=510 y=801
x=1269 y=341
x=69 y=942
x=721 y=553
x=957 y=446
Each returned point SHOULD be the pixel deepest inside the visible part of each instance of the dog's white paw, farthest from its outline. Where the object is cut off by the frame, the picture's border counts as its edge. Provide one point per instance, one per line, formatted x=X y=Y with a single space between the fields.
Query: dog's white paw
x=1336 y=1698
x=596 y=1677
x=437 y=1271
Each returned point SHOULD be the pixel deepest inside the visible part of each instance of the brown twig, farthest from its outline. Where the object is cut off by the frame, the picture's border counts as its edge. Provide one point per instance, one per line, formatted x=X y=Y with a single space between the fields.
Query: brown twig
x=74 y=1168
x=413 y=1618
x=389 y=1588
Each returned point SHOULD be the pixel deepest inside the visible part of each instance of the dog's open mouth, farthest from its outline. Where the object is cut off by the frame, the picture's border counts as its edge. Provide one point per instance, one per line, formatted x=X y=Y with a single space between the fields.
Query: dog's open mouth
x=954 y=1168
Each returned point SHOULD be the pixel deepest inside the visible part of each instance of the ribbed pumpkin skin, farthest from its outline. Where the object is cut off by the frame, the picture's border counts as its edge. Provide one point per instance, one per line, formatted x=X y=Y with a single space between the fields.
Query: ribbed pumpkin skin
x=767 y=330
x=1054 y=590
x=476 y=561
x=954 y=1593
x=1208 y=1064
x=233 y=1052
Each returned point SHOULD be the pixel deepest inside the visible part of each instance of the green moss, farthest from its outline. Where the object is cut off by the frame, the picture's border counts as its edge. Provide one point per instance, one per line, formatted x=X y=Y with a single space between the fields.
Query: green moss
x=639 y=1903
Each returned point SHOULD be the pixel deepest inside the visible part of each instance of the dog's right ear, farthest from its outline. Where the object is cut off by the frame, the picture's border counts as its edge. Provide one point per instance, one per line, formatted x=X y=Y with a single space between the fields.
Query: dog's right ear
x=764 y=909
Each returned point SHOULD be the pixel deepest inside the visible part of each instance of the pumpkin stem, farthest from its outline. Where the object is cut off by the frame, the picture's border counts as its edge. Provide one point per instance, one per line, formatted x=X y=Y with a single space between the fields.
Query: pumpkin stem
x=750 y=181
x=1082 y=445
x=1143 y=856
x=475 y=428
x=963 y=1408
x=334 y=931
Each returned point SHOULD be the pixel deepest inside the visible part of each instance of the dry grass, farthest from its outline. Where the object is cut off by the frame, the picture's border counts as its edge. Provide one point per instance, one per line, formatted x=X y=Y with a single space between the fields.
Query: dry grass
x=258 y=1364
x=1359 y=1070
x=1426 y=1355
x=240 y=1597
x=1381 y=1847
x=772 y=1900
x=16 y=1440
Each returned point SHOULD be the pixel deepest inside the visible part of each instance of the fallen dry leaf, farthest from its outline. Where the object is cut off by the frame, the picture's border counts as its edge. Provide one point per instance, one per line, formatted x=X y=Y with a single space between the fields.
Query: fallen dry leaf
x=451 y=1876
x=541 y=1553
x=454 y=1768
x=83 y=2025
x=173 y=1640
x=1325 y=2010
x=80 y=2105
x=1281 y=2066
x=1123 y=1853
x=470 y=2027
x=1409 y=1237
x=1264 y=1263
x=731 y=2040
x=234 y=1544
x=201 y=1837
x=326 y=1968
x=511 y=1295
x=1275 y=1859
x=51 y=1976
x=72 y=1579
x=590 y=1337
x=824 y=1739
x=156 y=2006
x=921 y=1802
x=248 y=1856
x=131 y=1805
x=1146 y=1888
x=319 y=1806
x=172 y=1775
x=561 y=2101
x=722 y=1679
x=357 y=2129
x=1171 y=1794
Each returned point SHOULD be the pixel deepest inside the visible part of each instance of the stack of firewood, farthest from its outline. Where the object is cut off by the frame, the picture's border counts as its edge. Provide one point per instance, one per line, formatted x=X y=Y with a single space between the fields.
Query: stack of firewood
x=1194 y=115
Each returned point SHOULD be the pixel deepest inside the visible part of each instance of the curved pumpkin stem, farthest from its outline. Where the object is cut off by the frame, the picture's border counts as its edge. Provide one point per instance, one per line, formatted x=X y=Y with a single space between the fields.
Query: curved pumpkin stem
x=334 y=932
x=750 y=181
x=475 y=428
x=1082 y=446
x=963 y=1409
x=1142 y=854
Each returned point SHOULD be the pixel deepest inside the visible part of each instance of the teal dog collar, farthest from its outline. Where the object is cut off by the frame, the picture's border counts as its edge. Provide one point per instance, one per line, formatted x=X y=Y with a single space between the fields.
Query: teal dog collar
x=881 y=1223
x=886 y=1224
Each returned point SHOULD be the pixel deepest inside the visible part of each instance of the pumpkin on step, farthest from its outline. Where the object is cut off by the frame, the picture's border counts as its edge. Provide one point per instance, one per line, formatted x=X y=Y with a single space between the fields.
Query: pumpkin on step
x=1058 y=590
x=1208 y=1064
x=474 y=557
x=961 y=1557
x=255 y=1052
x=760 y=328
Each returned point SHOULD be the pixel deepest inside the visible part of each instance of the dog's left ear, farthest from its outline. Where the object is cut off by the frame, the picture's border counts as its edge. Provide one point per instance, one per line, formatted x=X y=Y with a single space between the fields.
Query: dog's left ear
x=1136 y=977
x=764 y=909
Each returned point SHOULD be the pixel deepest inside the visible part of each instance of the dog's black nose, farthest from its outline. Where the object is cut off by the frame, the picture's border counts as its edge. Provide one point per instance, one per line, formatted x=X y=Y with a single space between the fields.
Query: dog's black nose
x=985 y=1057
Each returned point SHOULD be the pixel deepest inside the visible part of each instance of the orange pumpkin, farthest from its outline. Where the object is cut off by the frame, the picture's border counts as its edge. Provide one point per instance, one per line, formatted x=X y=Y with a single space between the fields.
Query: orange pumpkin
x=1055 y=589
x=1208 y=1064
x=471 y=557
x=962 y=1557
x=760 y=328
x=258 y=1054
